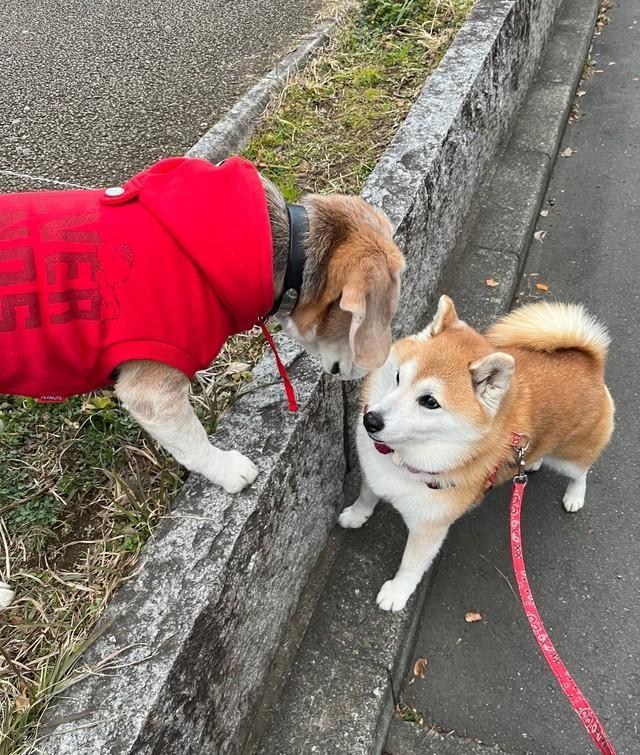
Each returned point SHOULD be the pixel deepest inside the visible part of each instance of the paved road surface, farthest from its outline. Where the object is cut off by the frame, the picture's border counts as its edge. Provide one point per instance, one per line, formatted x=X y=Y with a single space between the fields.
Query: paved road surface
x=92 y=91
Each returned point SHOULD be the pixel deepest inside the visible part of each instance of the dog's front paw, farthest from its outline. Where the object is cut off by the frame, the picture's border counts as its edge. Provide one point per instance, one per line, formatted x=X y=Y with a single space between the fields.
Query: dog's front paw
x=394 y=594
x=239 y=472
x=572 y=502
x=353 y=517
x=6 y=595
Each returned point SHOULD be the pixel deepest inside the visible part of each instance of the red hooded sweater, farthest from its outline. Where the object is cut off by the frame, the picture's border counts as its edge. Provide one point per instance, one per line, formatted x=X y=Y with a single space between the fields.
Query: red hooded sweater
x=164 y=268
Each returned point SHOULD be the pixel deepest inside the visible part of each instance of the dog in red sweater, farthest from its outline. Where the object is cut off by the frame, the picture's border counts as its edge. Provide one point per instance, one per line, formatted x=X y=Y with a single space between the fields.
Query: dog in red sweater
x=140 y=285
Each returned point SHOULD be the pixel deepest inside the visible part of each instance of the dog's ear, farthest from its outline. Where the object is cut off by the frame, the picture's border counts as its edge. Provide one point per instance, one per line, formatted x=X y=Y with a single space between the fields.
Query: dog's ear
x=372 y=301
x=491 y=377
x=445 y=317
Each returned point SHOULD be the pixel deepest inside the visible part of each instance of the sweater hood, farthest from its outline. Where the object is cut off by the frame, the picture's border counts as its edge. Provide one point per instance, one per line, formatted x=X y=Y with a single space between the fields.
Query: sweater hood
x=218 y=215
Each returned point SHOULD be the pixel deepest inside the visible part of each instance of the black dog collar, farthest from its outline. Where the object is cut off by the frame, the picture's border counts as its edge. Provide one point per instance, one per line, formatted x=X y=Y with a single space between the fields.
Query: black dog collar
x=298 y=233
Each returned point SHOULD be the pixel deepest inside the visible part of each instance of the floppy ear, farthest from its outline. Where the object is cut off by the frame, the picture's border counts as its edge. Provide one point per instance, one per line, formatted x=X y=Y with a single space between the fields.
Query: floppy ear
x=371 y=311
x=491 y=377
x=445 y=317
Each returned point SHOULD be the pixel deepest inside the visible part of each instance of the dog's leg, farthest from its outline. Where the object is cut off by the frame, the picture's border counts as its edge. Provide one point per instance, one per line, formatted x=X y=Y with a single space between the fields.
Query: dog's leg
x=356 y=515
x=573 y=499
x=157 y=396
x=422 y=547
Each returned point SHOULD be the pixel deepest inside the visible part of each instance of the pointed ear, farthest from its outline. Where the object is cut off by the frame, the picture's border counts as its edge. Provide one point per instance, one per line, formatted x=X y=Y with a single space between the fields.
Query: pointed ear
x=371 y=313
x=491 y=377
x=445 y=317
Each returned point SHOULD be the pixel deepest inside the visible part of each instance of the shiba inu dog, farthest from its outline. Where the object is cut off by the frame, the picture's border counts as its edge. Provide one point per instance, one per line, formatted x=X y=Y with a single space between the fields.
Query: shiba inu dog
x=440 y=413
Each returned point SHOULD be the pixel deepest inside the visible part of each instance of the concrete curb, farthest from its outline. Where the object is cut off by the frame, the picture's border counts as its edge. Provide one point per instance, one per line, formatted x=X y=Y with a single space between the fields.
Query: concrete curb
x=200 y=623
x=339 y=696
x=232 y=133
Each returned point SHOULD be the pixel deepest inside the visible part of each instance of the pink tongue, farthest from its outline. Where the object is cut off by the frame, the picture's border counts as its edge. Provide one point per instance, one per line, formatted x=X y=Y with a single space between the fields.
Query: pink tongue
x=382 y=448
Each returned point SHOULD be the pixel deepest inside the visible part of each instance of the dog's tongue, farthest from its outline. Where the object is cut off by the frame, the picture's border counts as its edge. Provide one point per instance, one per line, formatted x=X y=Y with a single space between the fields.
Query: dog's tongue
x=382 y=448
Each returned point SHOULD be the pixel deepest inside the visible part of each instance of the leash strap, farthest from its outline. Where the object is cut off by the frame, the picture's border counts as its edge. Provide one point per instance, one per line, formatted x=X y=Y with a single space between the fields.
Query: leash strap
x=288 y=387
x=572 y=692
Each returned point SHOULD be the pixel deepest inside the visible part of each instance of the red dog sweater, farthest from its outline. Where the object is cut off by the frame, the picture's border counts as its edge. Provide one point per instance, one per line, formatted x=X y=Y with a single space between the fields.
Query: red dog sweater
x=165 y=267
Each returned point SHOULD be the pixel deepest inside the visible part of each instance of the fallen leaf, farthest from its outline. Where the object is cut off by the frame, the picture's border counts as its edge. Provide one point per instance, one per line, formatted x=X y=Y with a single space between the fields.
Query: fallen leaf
x=471 y=616
x=21 y=703
x=567 y=152
x=539 y=236
x=613 y=62
x=542 y=287
x=580 y=93
x=491 y=282
x=236 y=367
x=544 y=213
x=419 y=667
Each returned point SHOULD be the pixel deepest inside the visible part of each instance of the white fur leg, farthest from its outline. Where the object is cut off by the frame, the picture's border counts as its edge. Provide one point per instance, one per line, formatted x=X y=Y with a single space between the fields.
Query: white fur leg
x=356 y=515
x=421 y=548
x=573 y=499
x=6 y=595
x=158 y=398
x=535 y=466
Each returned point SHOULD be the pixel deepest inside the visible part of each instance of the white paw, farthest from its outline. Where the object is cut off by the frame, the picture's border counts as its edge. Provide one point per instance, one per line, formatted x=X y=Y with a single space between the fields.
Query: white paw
x=352 y=517
x=572 y=502
x=394 y=594
x=239 y=472
x=535 y=466
x=6 y=595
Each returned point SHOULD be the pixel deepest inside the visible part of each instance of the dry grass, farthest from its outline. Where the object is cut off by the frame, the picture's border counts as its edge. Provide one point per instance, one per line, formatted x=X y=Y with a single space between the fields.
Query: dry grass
x=82 y=488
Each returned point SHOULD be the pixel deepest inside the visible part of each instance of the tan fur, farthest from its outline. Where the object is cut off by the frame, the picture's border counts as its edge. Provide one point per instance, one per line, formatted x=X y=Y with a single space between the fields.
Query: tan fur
x=358 y=280
x=558 y=397
x=550 y=326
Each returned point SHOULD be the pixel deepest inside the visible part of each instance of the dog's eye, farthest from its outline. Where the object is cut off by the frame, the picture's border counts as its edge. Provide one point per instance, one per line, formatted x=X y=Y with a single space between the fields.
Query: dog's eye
x=428 y=402
x=397 y=377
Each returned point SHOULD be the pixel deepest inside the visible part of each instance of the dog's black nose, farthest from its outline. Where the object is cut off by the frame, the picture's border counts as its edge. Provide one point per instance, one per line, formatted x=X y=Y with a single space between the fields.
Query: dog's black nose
x=336 y=368
x=373 y=422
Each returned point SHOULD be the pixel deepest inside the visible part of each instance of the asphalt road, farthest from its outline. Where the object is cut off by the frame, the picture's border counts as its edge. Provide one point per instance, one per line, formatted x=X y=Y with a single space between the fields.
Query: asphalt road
x=487 y=680
x=92 y=91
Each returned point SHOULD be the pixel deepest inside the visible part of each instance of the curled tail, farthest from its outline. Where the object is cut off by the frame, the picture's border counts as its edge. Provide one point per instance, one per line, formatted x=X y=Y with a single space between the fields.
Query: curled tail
x=549 y=326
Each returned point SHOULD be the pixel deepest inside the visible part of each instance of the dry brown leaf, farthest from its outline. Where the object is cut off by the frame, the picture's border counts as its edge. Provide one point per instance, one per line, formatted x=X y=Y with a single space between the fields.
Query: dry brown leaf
x=21 y=703
x=420 y=667
x=491 y=282
x=567 y=152
x=542 y=287
x=539 y=235
x=471 y=616
x=544 y=213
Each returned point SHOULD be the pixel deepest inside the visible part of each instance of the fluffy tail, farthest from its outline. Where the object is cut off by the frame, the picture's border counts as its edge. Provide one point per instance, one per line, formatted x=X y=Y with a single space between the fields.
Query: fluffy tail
x=549 y=326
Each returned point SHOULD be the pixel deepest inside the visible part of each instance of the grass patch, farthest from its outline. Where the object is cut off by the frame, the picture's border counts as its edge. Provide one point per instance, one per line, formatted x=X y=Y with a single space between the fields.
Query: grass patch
x=82 y=487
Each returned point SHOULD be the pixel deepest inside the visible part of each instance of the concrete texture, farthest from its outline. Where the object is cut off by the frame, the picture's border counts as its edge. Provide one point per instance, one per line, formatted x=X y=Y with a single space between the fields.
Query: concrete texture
x=488 y=680
x=336 y=697
x=426 y=180
x=93 y=92
x=407 y=739
x=232 y=133
x=216 y=585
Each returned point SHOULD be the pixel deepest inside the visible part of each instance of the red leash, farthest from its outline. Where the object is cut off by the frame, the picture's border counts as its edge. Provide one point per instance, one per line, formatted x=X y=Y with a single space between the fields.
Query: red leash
x=578 y=701
x=288 y=388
